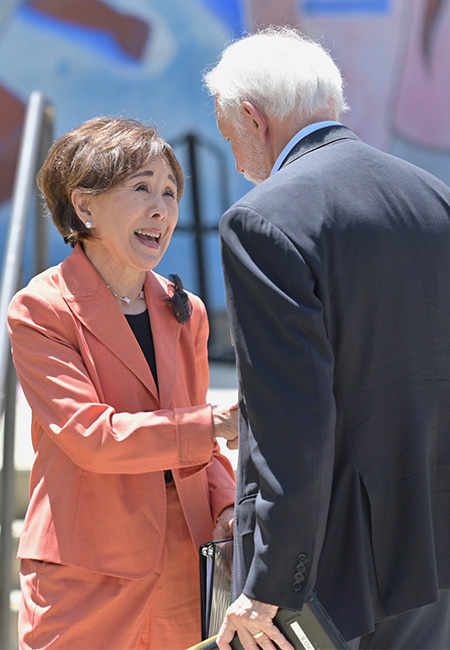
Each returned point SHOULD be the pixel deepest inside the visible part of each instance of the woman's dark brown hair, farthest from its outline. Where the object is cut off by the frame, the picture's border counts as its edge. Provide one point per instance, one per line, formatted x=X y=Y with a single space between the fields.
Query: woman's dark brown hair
x=95 y=157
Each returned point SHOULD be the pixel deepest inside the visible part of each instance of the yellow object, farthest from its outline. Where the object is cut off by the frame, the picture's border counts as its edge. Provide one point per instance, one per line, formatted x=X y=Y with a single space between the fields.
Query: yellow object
x=207 y=644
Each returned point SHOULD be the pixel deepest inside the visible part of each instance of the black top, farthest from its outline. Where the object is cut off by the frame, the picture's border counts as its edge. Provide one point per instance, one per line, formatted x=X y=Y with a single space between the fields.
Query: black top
x=140 y=324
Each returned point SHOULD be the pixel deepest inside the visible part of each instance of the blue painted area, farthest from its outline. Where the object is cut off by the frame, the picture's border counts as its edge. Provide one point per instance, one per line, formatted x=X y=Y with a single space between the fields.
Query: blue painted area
x=101 y=41
x=345 y=6
x=229 y=11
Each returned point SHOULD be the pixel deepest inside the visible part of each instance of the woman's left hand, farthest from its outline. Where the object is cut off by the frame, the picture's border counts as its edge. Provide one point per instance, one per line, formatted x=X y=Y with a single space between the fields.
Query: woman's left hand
x=224 y=527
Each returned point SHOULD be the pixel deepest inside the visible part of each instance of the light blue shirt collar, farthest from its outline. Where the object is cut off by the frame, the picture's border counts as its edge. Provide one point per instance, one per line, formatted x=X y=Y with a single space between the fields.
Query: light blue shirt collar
x=299 y=136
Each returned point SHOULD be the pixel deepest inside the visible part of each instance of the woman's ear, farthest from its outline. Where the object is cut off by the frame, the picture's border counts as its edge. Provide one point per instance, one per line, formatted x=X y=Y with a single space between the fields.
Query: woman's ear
x=80 y=201
x=258 y=118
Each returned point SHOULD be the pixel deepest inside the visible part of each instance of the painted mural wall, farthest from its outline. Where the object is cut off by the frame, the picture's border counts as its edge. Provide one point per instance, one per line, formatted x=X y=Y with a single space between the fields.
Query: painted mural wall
x=144 y=58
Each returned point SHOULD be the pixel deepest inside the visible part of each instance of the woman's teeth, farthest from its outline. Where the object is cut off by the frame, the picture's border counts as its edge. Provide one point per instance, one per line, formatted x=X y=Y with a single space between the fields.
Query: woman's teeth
x=149 y=234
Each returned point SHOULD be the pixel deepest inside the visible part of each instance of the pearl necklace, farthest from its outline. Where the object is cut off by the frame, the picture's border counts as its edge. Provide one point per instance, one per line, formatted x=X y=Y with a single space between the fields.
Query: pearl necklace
x=125 y=299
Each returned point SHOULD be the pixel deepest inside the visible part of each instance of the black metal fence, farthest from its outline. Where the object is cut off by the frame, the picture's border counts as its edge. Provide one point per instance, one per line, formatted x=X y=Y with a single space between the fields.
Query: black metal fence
x=202 y=224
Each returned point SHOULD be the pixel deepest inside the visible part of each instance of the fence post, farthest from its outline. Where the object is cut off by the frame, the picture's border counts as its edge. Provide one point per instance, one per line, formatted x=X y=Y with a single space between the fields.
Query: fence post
x=198 y=221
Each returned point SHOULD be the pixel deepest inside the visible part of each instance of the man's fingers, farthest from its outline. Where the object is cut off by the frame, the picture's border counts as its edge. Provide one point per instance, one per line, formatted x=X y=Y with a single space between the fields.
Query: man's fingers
x=280 y=640
x=254 y=641
x=226 y=635
x=253 y=622
x=269 y=639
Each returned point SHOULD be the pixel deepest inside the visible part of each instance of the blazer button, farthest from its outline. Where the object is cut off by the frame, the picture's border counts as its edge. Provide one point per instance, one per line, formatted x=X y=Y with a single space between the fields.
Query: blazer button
x=301 y=566
x=302 y=557
x=299 y=577
x=296 y=586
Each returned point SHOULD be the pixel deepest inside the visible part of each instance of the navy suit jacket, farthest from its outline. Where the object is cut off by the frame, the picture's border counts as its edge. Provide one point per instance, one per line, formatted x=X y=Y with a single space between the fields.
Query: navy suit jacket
x=337 y=272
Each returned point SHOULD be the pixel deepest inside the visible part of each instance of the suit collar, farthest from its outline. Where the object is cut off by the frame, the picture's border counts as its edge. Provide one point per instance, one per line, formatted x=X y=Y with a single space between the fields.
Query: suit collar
x=306 y=130
x=90 y=300
x=320 y=138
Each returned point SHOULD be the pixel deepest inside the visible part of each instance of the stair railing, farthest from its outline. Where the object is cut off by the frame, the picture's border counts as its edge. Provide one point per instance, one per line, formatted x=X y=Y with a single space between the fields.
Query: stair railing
x=36 y=139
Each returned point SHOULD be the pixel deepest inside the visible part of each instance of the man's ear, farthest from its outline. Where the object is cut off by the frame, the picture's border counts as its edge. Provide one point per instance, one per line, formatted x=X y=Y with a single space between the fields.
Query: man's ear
x=80 y=201
x=258 y=118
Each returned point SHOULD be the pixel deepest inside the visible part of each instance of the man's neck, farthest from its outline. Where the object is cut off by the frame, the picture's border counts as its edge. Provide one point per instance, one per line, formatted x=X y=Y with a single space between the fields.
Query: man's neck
x=282 y=131
x=296 y=137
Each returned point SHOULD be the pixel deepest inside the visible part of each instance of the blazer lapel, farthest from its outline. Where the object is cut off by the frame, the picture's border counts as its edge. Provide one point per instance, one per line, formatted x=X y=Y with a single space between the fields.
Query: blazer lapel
x=163 y=321
x=95 y=307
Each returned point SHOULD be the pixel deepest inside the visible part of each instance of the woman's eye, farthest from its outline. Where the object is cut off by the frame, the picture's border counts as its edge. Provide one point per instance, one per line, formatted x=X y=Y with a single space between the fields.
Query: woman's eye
x=170 y=192
x=142 y=187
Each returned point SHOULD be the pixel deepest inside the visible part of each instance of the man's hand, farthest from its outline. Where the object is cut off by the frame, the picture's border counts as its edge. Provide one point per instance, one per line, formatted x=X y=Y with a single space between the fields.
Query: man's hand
x=253 y=622
x=226 y=421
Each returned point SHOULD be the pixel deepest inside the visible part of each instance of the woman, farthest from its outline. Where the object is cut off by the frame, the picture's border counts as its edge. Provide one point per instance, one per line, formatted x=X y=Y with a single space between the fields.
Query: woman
x=128 y=480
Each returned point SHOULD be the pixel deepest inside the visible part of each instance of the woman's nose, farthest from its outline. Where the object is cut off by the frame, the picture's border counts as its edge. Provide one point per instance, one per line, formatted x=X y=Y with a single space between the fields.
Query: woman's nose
x=159 y=209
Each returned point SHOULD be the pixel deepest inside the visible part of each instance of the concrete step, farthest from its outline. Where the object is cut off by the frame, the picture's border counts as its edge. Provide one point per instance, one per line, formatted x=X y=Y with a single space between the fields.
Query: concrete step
x=14 y=600
x=14 y=596
x=21 y=489
x=16 y=531
x=17 y=526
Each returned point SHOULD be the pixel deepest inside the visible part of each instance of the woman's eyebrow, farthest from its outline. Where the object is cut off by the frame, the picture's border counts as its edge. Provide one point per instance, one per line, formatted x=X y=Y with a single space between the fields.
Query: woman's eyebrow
x=149 y=172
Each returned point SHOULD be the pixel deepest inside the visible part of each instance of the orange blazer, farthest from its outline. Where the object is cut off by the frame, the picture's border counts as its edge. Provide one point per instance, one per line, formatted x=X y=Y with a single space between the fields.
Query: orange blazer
x=102 y=432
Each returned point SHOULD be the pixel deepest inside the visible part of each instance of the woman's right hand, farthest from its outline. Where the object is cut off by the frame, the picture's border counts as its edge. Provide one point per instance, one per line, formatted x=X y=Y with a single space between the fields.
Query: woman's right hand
x=226 y=424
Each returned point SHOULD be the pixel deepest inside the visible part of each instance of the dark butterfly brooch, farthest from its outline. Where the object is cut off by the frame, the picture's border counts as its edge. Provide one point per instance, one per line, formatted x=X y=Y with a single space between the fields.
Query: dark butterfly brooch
x=179 y=300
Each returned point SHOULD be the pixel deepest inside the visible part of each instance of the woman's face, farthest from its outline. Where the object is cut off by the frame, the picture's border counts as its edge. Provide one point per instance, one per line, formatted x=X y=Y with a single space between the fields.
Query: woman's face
x=134 y=221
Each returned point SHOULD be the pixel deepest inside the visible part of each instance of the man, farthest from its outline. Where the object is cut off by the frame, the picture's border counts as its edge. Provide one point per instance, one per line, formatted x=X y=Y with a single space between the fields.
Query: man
x=337 y=272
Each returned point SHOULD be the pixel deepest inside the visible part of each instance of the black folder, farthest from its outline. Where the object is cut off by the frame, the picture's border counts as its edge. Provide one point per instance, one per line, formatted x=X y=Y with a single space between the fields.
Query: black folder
x=308 y=629
x=216 y=562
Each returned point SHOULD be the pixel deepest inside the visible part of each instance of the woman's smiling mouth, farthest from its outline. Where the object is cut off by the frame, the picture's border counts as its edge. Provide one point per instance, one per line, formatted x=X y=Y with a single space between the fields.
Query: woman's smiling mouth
x=148 y=237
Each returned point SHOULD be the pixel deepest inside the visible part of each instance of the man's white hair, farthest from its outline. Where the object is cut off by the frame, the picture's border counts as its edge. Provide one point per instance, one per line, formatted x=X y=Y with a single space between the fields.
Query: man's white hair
x=280 y=71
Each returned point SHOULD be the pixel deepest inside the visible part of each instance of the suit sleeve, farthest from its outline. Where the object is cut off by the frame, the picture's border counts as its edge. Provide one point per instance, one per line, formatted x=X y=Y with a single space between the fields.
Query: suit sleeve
x=285 y=364
x=68 y=408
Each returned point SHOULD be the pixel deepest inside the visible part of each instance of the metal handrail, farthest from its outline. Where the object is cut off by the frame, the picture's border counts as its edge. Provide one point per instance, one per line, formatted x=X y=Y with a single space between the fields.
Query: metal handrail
x=36 y=139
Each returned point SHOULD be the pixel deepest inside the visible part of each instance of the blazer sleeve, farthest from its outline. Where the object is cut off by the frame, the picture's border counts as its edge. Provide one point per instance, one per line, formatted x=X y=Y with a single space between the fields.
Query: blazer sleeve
x=221 y=480
x=64 y=400
x=285 y=364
